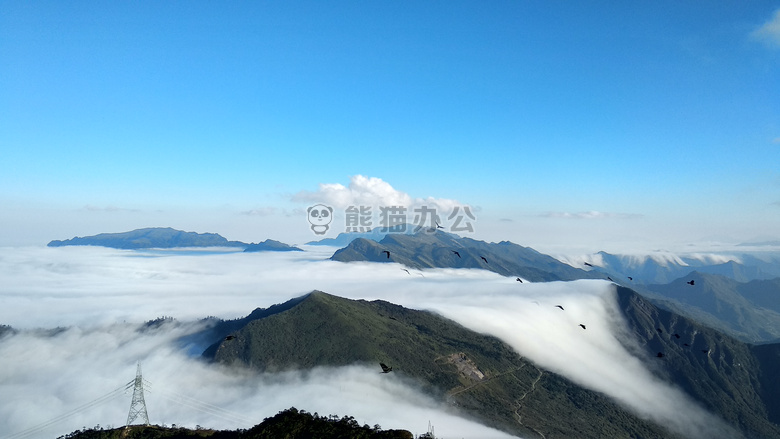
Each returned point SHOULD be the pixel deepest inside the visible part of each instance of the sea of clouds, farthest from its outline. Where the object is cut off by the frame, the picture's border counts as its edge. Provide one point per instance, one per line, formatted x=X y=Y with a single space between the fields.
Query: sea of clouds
x=100 y=298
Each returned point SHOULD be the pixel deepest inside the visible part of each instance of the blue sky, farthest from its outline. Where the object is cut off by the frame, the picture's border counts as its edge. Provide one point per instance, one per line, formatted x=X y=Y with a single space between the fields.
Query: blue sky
x=584 y=125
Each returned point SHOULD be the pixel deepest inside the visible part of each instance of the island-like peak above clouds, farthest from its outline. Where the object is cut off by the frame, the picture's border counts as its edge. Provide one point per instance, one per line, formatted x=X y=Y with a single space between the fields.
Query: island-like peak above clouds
x=152 y=237
x=166 y=237
x=271 y=246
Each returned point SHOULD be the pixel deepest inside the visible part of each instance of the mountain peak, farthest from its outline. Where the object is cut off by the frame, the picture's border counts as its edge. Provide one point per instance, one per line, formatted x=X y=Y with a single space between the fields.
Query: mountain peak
x=437 y=249
x=479 y=374
x=271 y=245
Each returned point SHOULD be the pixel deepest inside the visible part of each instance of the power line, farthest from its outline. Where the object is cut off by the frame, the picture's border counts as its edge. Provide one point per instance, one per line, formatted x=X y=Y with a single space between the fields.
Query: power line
x=40 y=427
x=204 y=407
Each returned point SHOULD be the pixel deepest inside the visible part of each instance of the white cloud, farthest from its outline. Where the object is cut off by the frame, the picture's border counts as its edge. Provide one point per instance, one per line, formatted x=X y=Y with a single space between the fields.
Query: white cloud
x=367 y=191
x=769 y=32
x=98 y=289
x=62 y=374
x=374 y=192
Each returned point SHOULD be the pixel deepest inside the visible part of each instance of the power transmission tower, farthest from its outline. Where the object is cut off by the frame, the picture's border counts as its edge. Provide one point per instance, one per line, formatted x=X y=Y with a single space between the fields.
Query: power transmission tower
x=138 y=406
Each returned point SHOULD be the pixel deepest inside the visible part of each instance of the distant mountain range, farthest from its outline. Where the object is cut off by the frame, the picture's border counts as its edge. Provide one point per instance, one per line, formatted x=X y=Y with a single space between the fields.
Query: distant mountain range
x=741 y=298
x=659 y=268
x=653 y=268
x=377 y=234
x=749 y=311
x=486 y=379
x=437 y=249
x=166 y=237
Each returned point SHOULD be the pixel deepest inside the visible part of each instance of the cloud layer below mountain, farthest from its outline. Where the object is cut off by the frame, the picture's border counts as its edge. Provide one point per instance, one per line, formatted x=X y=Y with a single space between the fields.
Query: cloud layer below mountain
x=102 y=296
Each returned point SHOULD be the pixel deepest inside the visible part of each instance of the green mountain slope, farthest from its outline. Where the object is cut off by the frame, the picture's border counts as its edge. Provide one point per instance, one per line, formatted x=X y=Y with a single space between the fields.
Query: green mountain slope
x=477 y=374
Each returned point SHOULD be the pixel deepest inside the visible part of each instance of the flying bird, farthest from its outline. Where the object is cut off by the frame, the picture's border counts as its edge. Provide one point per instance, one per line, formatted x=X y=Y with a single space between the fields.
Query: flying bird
x=483 y=258
x=519 y=280
x=230 y=337
x=610 y=279
x=630 y=278
x=387 y=253
x=456 y=253
x=407 y=271
x=385 y=368
x=438 y=226
x=559 y=306
x=676 y=335
x=582 y=326
x=589 y=265
x=690 y=282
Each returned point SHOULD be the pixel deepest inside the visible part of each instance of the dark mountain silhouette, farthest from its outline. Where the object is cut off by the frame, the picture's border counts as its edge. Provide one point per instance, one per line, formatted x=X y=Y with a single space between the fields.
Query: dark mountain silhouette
x=287 y=424
x=437 y=249
x=156 y=237
x=269 y=245
x=6 y=330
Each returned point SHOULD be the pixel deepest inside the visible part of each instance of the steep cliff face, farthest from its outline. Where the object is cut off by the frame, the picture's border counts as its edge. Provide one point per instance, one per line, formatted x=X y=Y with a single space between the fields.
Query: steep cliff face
x=732 y=379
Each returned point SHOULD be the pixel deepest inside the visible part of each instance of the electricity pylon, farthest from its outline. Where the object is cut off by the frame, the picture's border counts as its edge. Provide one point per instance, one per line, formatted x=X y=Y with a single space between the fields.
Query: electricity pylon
x=138 y=406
